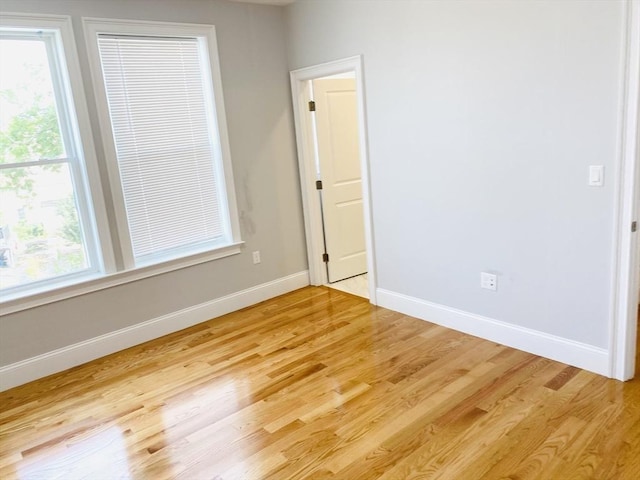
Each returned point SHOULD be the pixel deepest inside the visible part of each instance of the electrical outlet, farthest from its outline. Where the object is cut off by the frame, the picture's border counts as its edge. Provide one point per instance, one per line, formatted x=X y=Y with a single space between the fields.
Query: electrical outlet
x=256 y=257
x=489 y=281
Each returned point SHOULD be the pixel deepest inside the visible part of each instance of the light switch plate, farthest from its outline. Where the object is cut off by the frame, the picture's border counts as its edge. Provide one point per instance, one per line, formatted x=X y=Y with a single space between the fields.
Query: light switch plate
x=596 y=175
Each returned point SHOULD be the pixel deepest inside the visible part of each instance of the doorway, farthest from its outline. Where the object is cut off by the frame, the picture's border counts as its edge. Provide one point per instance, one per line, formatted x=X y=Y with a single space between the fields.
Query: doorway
x=334 y=118
x=328 y=102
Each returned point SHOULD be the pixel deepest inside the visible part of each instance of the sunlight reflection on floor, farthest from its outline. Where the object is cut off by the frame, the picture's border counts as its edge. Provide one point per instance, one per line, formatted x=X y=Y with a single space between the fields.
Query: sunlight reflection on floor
x=92 y=455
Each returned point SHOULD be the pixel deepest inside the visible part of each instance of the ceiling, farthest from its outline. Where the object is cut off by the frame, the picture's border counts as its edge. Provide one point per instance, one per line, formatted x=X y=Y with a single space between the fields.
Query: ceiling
x=267 y=2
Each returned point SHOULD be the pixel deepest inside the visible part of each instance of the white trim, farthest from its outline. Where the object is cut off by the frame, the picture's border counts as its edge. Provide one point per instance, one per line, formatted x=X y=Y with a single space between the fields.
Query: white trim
x=556 y=348
x=58 y=360
x=82 y=286
x=627 y=264
x=310 y=201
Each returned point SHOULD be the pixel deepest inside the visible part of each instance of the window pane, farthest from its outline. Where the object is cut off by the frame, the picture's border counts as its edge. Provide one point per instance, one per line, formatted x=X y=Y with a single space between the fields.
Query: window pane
x=161 y=120
x=40 y=235
x=29 y=126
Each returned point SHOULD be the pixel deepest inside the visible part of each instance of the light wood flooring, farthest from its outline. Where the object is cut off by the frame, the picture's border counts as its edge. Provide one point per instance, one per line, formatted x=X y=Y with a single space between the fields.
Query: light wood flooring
x=318 y=384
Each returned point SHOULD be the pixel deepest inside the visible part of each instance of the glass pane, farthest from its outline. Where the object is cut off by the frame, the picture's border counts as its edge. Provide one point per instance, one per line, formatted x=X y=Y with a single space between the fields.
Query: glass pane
x=40 y=234
x=29 y=126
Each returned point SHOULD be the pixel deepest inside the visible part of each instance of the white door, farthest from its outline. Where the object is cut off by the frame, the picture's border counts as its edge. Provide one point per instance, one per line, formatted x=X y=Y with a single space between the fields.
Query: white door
x=339 y=162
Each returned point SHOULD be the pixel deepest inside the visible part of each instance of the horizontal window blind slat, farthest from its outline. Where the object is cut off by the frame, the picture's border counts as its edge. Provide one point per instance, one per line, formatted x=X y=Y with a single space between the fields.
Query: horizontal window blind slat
x=176 y=203
x=149 y=129
x=171 y=163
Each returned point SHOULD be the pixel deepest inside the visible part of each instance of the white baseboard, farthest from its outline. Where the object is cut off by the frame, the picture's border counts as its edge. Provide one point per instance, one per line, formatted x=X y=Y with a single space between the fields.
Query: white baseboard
x=73 y=355
x=539 y=343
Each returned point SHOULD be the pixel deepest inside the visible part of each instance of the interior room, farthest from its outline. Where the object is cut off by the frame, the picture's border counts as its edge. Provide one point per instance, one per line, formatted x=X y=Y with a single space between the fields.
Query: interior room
x=204 y=315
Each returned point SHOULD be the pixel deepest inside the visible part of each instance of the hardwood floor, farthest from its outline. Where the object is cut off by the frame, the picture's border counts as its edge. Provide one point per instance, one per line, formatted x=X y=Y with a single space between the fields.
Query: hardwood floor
x=318 y=384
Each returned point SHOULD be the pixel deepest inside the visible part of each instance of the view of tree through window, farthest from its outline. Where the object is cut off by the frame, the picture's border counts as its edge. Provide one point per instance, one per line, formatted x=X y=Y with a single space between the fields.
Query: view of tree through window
x=40 y=232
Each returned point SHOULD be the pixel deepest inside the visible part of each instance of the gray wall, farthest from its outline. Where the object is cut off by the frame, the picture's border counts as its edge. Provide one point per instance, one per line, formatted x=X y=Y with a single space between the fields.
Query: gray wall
x=483 y=119
x=251 y=41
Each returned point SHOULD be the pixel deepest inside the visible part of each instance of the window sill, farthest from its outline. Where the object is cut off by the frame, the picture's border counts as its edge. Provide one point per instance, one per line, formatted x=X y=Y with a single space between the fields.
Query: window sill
x=98 y=282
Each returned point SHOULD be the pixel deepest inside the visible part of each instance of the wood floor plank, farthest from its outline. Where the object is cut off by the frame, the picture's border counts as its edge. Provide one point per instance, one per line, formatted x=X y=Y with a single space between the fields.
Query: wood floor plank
x=320 y=385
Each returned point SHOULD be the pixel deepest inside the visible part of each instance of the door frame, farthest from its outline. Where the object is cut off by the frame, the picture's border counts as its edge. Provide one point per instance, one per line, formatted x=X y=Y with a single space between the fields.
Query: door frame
x=626 y=279
x=300 y=92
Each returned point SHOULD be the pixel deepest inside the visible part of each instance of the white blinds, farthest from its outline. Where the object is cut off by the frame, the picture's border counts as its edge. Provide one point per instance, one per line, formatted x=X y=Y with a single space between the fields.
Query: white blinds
x=163 y=136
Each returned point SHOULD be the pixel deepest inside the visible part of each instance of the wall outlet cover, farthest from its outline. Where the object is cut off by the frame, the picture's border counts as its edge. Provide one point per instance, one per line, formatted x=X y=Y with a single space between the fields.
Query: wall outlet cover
x=489 y=281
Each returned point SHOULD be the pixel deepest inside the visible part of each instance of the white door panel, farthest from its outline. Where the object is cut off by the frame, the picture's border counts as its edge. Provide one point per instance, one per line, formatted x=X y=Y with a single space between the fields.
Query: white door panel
x=339 y=159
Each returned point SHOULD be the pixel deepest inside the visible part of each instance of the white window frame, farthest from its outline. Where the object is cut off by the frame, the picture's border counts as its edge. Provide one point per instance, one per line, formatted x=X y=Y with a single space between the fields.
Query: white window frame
x=78 y=140
x=95 y=26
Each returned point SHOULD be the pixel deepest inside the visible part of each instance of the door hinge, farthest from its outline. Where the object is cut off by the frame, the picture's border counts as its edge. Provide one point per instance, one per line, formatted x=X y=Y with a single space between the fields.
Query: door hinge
x=634 y=226
x=318 y=184
x=312 y=106
x=325 y=257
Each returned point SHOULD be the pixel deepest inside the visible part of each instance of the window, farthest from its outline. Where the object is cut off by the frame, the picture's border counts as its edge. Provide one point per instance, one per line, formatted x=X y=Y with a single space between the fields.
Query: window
x=47 y=231
x=161 y=112
x=161 y=118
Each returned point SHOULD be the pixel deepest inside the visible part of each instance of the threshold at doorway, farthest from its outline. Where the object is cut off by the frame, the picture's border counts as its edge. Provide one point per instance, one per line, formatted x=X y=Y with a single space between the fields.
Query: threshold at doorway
x=358 y=285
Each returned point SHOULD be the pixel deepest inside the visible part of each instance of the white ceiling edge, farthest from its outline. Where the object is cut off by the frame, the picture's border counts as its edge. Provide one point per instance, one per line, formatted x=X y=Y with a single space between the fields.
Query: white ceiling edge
x=267 y=2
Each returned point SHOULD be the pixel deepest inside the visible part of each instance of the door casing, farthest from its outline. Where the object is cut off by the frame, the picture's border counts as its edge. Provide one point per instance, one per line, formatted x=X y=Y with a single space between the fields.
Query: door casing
x=626 y=279
x=300 y=91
